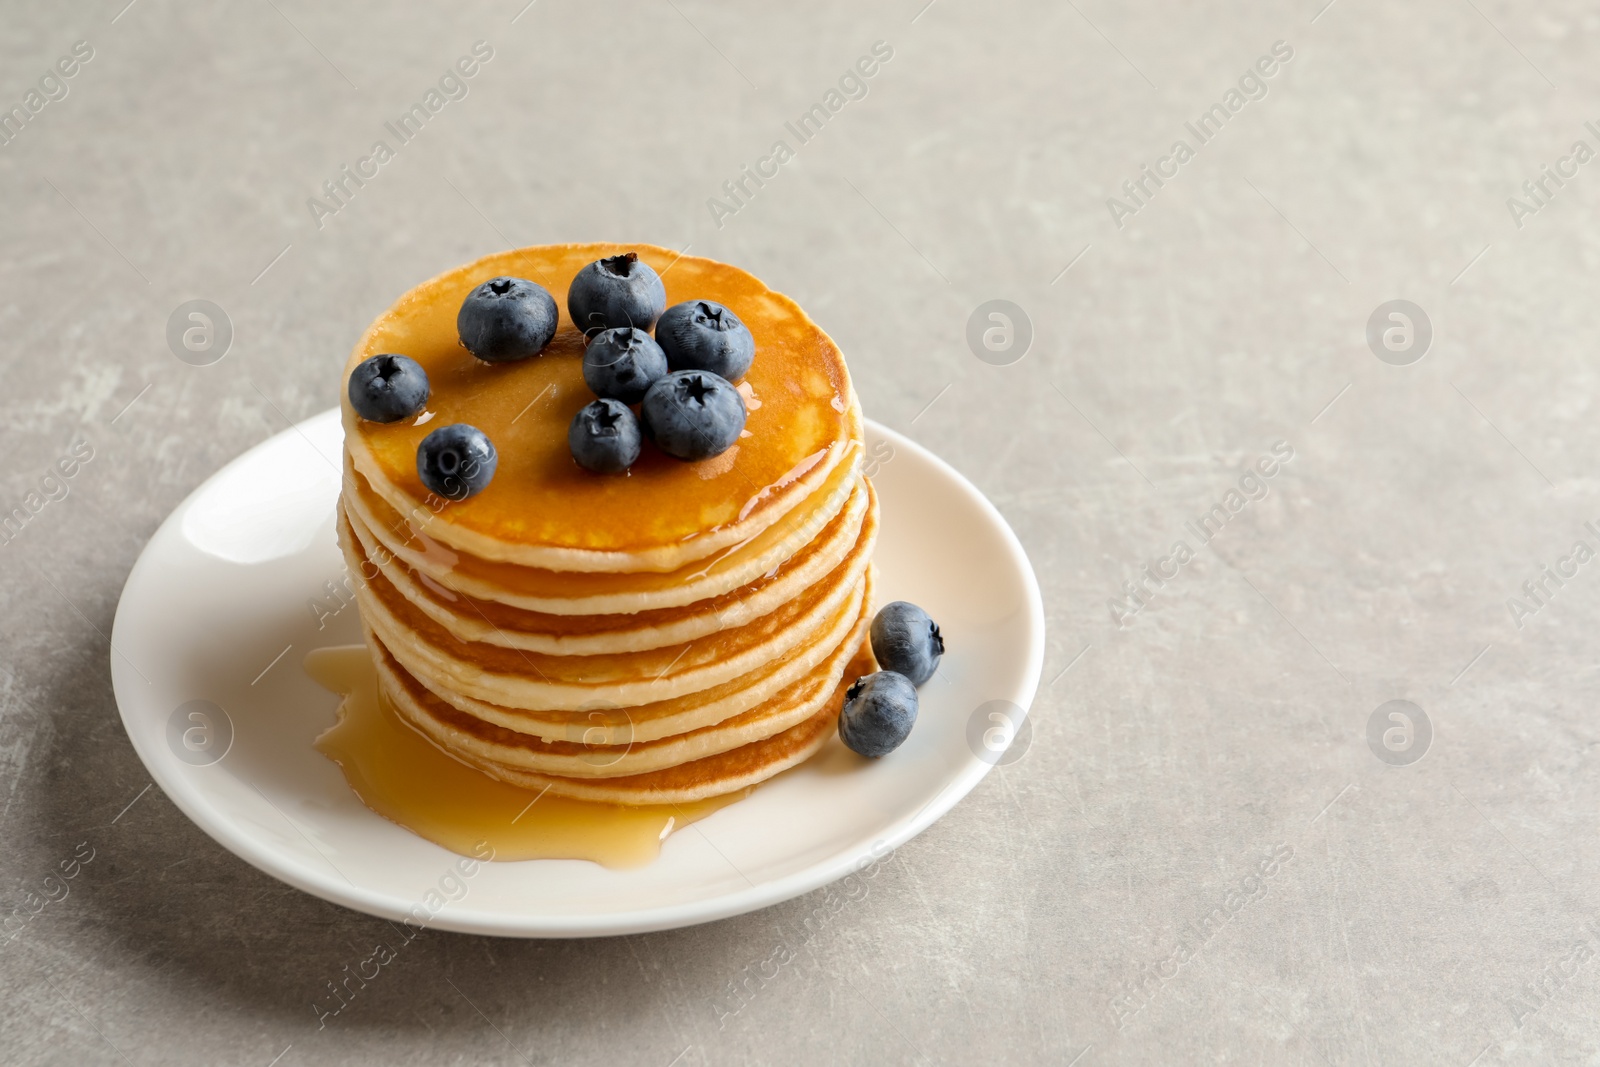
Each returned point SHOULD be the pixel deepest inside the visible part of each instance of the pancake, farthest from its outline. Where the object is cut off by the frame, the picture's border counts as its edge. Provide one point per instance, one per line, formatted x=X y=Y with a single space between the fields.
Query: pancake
x=469 y=618
x=668 y=634
x=537 y=681
x=713 y=775
x=527 y=691
x=581 y=593
x=581 y=755
x=604 y=724
x=544 y=511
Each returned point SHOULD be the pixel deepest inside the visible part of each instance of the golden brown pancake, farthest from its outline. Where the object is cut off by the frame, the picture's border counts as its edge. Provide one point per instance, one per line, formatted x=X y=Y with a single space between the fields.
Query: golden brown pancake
x=679 y=631
x=584 y=593
x=469 y=618
x=583 y=755
x=537 y=682
x=712 y=775
x=542 y=510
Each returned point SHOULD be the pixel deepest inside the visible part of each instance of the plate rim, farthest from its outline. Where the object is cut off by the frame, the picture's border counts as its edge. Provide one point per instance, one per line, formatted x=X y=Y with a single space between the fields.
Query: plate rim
x=185 y=795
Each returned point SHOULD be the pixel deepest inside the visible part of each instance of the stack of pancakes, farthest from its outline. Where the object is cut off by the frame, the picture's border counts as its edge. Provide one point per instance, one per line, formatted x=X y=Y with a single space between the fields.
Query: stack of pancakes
x=677 y=632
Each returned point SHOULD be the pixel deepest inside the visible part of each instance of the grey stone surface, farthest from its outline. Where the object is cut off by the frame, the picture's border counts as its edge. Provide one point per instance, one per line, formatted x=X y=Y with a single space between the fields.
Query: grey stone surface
x=1440 y=912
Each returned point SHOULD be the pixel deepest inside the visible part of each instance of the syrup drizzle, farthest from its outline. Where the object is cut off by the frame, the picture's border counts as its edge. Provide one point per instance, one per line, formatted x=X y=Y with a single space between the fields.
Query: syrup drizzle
x=401 y=775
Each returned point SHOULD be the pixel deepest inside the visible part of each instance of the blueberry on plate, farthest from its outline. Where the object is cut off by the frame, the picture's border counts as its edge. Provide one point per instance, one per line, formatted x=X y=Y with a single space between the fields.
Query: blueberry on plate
x=702 y=335
x=622 y=363
x=692 y=414
x=388 y=388
x=879 y=711
x=906 y=640
x=617 y=291
x=604 y=436
x=456 y=461
x=507 y=319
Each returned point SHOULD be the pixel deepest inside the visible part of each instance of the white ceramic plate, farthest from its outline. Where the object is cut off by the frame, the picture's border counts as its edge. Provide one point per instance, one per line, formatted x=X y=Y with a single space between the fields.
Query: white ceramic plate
x=228 y=582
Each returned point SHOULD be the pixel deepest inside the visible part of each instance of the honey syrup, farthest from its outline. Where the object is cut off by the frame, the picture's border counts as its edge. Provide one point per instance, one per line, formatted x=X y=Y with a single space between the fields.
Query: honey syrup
x=404 y=777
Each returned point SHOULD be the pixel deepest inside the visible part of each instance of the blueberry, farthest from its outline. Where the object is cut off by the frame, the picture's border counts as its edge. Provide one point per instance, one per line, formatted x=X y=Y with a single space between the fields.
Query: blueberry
x=388 y=388
x=619 y=291
x=906 y=640
x=879 y=711
x=456 y=461
x=693 y=414
x=701 y=335
x=604 y=436
x=622 y=363
x=507 y=319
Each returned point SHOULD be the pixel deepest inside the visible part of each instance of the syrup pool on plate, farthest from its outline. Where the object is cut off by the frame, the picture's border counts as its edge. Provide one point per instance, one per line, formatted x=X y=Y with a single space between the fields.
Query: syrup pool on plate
x=402 y=776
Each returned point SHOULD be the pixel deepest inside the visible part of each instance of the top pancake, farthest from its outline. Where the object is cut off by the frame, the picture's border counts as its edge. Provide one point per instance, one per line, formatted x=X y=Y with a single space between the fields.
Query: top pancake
x=542 y=509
